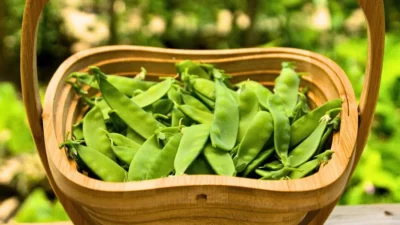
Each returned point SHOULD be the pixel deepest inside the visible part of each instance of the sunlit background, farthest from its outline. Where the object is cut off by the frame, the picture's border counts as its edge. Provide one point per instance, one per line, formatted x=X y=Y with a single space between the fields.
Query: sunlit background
x=333 y=28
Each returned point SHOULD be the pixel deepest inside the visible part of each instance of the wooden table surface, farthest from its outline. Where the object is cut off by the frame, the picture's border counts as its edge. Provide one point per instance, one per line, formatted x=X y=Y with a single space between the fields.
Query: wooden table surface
x=381 y=214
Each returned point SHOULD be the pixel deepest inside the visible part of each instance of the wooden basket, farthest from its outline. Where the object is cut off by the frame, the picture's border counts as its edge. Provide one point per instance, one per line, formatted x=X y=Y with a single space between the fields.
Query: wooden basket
x=204 y=199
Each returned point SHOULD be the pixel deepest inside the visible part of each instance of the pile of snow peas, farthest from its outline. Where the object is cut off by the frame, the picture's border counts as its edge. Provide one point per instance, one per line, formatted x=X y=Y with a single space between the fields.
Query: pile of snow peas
x=198 y=123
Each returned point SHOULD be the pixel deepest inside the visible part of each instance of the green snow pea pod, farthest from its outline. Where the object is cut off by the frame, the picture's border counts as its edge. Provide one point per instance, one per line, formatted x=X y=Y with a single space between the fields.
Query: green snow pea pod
x=118 y=125
x=105 y=109
x=281 y=127
x=274 y=175
x=333 y=125
x=163 y=164
x=131 y=134
x=225 y=125
x=248 y=108
x=308 y=167
x=143 y=159
x=235 y=95
x=174 y=95
x=121 y=140
x=210 y=103
x=126 y=85
x=165 y=133
x=261 y=157
x=200 y=166
x=199 y=69
x=262 y=93
x=94 y=131
x=194 y=102
x=124 y=154
x=162 y=106
x=196 y=114
x=153 y=94
x=274 y=165
x=301 y=108
x=205 y=87
x=177 y=118
x=286 y=87
x=304 y=126
x=220 y=161
x=234 y=151
x=193 y=141
x=133 y=115
x=77 y=131
x=306 y=149
x=258 y=133
x=105 y=168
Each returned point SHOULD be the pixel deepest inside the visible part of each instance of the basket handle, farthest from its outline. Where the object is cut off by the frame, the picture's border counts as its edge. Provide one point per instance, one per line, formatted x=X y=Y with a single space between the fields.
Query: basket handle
x=31 y=98
x=29 y=80
x=375 y=16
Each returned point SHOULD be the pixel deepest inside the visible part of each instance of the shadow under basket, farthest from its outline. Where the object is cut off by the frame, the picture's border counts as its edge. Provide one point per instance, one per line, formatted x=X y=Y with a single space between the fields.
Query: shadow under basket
x=200 y=199
x=197 y=199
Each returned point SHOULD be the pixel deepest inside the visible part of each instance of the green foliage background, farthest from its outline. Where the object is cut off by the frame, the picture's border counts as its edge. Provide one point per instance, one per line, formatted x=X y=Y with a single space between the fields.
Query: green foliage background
x=333 y=28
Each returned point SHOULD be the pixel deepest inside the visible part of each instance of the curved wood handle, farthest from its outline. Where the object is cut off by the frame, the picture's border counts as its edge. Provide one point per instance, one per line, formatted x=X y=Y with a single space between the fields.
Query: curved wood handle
x=29 y=81
x=31 y=97
x=375 y=16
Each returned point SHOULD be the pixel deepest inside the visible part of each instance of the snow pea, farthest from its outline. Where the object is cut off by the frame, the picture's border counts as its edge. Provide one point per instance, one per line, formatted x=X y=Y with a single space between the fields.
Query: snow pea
x=105 y=108
x=262 y=92
x=274 y=175
x=163 y=164
x=193 y=141
x=248 y=108
x=196 y=114
x=143 y=159
x=124 y=154
x=204 y=87
x=225 y=125
x=333 y=125
x=260 y=158
x=199 y=166
x=281 y=127
x=274 y=165
x=210 y=103
x=162 y=106
x=174 y=95
x=133 y=115
x=131 y=134
x=198 y=69
x=304 y=126
x=153 y=94
x=220 y=161
x=121 y=140
x=258 y=133
x=105 y=168
x=306 y=149
x=194 y=102
x=125 y=85
x=177 y=117
x=301 y=108
x=311 y=165
x=118 y=125
x=77 y=131
x=94 y=131
x=287 y=86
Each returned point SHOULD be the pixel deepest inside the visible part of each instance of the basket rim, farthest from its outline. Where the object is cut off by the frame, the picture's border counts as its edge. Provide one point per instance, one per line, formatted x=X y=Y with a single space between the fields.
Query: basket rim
x=290 y=186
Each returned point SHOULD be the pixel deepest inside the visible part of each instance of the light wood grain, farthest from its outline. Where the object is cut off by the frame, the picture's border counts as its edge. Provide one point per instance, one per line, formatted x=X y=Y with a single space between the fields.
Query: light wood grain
x=375 y=17
x=379 y=214
x=191 y=198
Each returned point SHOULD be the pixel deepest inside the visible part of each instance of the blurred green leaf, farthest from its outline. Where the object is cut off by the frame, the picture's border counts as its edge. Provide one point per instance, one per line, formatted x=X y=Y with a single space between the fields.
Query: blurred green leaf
x=37 y=208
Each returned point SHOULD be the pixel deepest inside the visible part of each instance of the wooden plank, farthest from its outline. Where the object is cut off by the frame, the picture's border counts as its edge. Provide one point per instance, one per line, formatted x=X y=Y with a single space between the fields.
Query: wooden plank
x=381 y=214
